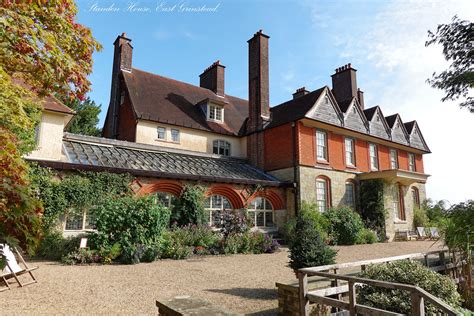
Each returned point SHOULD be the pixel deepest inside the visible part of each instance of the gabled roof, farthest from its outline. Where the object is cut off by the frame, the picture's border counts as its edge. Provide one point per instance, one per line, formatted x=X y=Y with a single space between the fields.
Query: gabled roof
x=396 y=137
x=169 y=101
x=369 y=113
x=416 y=138
x=344 y=105
x=101 y=154
x=351 y=121
x=391 y=119
x=294 y=109
x=409 y=126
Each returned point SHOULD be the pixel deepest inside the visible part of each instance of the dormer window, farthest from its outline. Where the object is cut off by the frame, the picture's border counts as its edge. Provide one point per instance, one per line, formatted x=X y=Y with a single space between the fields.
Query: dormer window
x=215 y=113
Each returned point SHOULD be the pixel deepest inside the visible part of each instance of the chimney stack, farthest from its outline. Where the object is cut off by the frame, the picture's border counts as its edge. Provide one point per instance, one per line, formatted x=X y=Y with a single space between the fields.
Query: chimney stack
x=122 y=61
x=213 y=78
x=344 y=83
x=360 y=96
x=259 y=102
x=300 y=92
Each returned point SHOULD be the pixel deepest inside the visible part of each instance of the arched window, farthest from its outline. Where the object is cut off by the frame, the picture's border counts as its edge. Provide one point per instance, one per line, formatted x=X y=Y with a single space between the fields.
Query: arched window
x=398 y=201
x=215 y=204
x=323 y=193
x=164 y=198
x=416 y=196
x=260 y=212
x=349 y=194
x=221 y=147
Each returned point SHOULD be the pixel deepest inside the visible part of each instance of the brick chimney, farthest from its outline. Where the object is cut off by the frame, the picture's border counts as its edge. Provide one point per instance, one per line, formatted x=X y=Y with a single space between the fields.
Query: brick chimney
x=344 y=83
x=122 y=61
x=259 y=102
x=213 y=78
x=360 y=96
x=300 y=92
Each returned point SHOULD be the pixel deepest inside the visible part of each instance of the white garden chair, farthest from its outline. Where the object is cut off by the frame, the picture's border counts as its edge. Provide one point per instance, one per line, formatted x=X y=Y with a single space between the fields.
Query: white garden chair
x=13 y=270
x=434 y=233
x=421 y=233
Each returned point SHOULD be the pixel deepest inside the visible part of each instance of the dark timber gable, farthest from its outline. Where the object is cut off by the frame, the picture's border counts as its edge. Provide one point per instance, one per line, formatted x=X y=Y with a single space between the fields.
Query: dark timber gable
x=377 y=124
x=399 y=133
x=326 y=109
x=415 y=136
x=354 y=118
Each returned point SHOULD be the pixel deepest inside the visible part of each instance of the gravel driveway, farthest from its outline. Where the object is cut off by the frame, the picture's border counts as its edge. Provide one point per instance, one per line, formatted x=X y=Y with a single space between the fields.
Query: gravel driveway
x=241 y=283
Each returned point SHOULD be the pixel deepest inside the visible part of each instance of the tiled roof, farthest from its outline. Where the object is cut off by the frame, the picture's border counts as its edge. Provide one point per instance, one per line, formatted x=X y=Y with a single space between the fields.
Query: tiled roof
x=165 y=100
x=369 y=113
x=409 y=126
x=344 y=105
x=391 y=119
x=294 y=109
x=151 y=160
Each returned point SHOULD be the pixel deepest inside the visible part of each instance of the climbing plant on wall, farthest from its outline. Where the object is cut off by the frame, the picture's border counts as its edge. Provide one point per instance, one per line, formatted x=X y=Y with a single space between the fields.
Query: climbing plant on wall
x=372 y=209
x=76 y=191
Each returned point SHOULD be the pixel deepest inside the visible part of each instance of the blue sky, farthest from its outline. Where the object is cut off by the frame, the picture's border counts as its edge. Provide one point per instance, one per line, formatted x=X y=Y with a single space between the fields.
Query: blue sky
x=384 y=40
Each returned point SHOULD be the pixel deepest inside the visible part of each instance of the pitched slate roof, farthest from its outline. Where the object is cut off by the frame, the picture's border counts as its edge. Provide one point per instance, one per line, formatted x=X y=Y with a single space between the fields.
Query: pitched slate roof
x=165 y=100
x=87 y=152
x=344 y=105
x=409 y=126
x=294 y=109
x=391 y=120
x=369 y=113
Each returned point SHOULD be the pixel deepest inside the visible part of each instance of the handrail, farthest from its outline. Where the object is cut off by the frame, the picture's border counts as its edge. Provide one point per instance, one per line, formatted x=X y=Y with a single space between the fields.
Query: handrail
x=371 y=261
x=418 y=295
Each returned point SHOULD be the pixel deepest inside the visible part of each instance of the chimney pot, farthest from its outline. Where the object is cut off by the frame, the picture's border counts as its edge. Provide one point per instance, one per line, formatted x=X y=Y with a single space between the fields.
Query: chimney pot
x=344 y=83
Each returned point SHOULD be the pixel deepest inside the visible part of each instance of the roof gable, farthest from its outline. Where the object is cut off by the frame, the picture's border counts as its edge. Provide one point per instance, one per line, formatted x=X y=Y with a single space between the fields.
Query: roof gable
x=415 y=136
x=398 y=131
x=377 y=124
x=354 y=118
x=326 y=109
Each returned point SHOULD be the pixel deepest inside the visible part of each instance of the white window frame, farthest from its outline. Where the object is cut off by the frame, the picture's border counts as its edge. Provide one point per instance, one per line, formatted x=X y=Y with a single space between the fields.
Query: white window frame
x=267 y=212
x=158 y=133
x=349 y=154
x=411 y=162
x=393 y=158
x=373 y=157
x=222 y=144
x=177 y=134
x=322 y=194
x=84 y=223
x=213 y=210
x=321 y=149
x=350 y=202
x=212 y=113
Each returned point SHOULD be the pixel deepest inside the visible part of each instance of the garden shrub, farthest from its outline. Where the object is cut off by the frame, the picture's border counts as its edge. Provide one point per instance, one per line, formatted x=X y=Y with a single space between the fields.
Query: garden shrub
x=81 y=256
x=345 y=225
x=407 y=272
x=173 y=247
x=232 y=222
x=54 y=246
x=189 y=207
x=420 y=219
x=135 y=223
x=307 y=248
x=367 y=236
x=321 y=223
x=232 y=244
x=372 y=209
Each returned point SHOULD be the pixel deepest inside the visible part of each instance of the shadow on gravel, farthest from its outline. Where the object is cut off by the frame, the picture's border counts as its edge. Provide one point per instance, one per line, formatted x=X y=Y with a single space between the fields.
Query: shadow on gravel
x=259 y=294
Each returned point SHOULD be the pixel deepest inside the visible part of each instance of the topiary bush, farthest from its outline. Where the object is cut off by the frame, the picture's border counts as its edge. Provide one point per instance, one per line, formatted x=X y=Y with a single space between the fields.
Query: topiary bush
x=407 y=272
x=307 y=248
x=345 y=225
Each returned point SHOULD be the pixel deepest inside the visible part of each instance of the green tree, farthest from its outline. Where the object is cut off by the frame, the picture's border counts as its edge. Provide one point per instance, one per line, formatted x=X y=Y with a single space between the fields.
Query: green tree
x=86 y=119
x=457 y=39
x=189 y=208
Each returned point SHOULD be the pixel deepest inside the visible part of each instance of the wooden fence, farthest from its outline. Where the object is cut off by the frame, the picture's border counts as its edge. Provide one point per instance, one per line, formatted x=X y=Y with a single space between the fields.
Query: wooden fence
x=444 y=262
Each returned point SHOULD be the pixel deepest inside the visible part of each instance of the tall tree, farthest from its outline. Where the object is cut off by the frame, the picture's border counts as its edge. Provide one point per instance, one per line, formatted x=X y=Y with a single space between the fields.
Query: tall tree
x=457 y=39
x=43 y=51
x=86 y=119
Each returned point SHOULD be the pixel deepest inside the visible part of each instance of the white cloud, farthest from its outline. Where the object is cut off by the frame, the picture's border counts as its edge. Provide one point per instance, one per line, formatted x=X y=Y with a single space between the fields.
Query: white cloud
x=392 y=51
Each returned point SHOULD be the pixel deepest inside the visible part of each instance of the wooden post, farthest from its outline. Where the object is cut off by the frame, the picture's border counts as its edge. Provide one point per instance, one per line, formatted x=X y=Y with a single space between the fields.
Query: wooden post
x=417 y=305
x=427 y=263
x=352 y=299
x=303 y=291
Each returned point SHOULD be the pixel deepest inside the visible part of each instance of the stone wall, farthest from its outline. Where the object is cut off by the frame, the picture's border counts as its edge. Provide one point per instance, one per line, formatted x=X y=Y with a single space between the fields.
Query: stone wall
x=392 y=222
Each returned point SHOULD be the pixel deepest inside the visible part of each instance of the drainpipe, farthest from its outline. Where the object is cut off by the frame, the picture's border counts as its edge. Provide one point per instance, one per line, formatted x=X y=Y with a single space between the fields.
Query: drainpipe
x=296 y=186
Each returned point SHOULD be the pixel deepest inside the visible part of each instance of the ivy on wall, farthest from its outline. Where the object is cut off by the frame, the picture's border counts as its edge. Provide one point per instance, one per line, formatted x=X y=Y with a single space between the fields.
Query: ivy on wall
x=74 y=192
x=372 y=209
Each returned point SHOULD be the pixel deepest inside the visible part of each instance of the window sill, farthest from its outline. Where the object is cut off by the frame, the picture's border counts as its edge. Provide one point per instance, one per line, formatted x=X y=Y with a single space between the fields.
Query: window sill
x=323 y=162
x=351 y=167
x=400 y=221
x=167 y=141
x=216 y=121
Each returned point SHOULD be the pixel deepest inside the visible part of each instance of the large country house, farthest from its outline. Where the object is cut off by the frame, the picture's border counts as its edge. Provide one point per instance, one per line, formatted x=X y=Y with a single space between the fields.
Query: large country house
x=316 y=147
